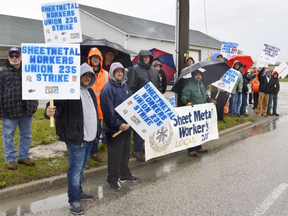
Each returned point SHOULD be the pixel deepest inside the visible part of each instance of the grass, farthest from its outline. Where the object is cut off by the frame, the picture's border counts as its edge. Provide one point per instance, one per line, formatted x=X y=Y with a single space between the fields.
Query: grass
x=283 y=80
x=42 y=134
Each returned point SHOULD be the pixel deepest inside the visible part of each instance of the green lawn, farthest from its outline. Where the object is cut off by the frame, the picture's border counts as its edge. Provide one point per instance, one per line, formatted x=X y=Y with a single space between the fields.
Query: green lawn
x=42 y=134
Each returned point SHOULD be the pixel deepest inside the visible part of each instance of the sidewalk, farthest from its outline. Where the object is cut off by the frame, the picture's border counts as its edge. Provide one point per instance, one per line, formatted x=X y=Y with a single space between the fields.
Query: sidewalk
x=57 y=181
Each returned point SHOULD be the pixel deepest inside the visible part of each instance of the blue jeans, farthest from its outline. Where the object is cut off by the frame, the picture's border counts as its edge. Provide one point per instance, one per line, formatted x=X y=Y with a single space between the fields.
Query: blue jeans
x=244 y=103
x=238 y=103
x=77 y=158
x=233 y=103
x=8 y=130
x=94 y=148
x=272 y=98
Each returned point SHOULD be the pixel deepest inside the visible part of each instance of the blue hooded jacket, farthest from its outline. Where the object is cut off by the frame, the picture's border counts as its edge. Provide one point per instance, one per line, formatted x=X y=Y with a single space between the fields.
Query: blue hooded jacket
x=112 y=95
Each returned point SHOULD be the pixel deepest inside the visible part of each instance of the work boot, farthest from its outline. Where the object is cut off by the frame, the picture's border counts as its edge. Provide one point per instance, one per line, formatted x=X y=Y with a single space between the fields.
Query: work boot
x=276 y=114
x=140 y=156
x=269 y=114
x=202 y=150
x=11 y=165
x=96 y=157
x=27 y=162
x=194 y=154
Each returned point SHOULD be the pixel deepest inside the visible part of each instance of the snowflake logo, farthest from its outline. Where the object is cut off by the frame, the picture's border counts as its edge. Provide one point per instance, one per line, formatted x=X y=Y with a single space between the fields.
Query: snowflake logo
x=161 y=134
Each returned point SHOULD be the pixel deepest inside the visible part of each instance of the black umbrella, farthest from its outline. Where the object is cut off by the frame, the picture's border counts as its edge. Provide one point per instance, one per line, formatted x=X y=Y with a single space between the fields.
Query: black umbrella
x=211 y=72
x=120 y=54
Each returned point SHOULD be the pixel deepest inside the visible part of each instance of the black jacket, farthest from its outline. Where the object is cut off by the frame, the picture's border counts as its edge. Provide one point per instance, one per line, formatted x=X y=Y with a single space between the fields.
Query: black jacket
x=141 y=74
x=69 y=120
x=11 y=103
x=274 y=83
x=265 y=86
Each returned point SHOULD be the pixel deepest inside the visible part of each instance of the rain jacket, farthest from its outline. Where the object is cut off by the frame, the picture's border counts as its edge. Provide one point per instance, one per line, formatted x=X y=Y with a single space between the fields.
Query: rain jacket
x=11 y=103
x=163 y=75
x=69 y=119
x=194 y=92
x=239 y=83
x=112 y=95
x=102 y=78
x=274 y=82
x=265 y=86
x=255 y=84
x=141 y=74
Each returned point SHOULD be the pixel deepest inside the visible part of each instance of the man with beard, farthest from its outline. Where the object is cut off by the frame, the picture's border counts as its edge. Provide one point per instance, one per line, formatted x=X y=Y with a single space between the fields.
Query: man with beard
x=15 y=112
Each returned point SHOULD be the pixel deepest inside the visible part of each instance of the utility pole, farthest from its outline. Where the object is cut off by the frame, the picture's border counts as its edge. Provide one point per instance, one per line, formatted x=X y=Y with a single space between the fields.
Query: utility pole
x=182 y=36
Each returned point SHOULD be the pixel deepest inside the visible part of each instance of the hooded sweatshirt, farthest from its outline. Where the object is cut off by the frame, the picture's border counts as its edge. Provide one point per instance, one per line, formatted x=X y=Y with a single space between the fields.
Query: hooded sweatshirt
x=142 y=73
x=89 y=112
x=102 y=77
x=239 y=83
x=112 y=95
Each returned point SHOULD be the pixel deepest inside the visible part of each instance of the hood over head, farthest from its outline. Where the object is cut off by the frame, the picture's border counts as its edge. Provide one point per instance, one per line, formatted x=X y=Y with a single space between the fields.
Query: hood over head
x=143 y=53
x=236 y=63
x=85 y=68
x=95 y=52
x=275 y=72
x=156 y=62
x=113 y=67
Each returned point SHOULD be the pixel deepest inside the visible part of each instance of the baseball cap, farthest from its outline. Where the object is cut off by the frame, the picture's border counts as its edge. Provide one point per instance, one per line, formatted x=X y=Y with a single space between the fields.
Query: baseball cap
x=14 y=49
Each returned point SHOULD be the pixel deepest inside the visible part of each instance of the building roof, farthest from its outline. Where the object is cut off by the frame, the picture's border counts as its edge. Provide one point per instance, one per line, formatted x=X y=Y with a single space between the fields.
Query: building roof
x=17 y=30
x=148 y=28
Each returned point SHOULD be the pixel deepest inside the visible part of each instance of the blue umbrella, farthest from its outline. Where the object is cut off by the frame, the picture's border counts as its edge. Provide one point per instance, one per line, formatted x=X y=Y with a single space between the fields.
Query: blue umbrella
x=213 y=56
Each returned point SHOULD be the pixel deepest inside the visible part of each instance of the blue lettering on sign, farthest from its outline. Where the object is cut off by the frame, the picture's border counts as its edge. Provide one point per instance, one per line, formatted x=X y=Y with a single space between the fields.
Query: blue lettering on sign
x=66 y=51
x=52 y=77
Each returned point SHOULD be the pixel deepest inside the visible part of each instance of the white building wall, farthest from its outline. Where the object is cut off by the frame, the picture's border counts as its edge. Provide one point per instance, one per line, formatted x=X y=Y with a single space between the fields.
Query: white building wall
x=94 y=28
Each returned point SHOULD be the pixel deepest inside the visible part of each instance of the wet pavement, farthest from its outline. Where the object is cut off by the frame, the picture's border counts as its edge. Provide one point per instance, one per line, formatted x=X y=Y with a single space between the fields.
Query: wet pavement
x=238 y=173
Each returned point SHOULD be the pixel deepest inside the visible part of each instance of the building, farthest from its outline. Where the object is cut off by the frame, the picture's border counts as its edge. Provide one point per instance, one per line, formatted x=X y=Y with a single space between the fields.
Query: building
x=132 y=33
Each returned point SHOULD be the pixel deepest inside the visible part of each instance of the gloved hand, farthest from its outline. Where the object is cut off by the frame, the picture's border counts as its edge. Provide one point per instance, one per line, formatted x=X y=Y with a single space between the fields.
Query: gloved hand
x=189 y=104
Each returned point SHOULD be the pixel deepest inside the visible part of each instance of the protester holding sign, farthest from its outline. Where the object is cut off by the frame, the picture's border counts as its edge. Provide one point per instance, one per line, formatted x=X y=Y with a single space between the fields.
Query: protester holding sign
x=273 y=94
x=15 y=112
x=95 y=60
x=113 y=94
x=264 y=89
x=233 y=101
x=139 y=76
x=195 y=93
x=78 y=125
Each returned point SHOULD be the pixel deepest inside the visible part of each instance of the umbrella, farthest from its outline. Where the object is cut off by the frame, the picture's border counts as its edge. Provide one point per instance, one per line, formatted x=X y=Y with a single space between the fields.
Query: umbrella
x=244 y=59
x=166 y=60
x=214 y=55
x=211 y=72
x=120 y=54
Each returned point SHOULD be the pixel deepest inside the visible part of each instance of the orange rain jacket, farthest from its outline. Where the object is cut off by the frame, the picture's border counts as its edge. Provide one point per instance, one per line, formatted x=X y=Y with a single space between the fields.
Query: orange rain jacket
x=101 y=78
x=255 y=84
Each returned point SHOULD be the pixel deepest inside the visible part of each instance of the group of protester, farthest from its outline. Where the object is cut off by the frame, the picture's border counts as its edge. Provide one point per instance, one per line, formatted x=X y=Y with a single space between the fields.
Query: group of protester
x=105 y=85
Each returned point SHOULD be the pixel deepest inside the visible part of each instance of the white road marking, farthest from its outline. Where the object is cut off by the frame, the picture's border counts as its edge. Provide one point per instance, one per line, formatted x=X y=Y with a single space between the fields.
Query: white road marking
x=269 y=200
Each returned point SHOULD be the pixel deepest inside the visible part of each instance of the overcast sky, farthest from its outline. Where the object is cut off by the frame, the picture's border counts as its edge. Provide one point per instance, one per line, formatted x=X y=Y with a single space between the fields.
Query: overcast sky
x=251 y=23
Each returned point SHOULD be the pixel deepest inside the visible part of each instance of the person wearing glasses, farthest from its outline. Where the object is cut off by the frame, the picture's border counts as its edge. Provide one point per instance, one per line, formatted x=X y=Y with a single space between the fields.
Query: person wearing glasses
x=15 y=112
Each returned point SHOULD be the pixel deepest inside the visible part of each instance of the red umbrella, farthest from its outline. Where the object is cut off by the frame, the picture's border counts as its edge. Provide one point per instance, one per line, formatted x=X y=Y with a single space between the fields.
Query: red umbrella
x=166 y=60
x=244 y=59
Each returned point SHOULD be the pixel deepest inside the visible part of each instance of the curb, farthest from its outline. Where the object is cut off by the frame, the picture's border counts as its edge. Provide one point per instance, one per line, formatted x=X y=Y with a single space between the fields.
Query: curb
x=60 y=180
